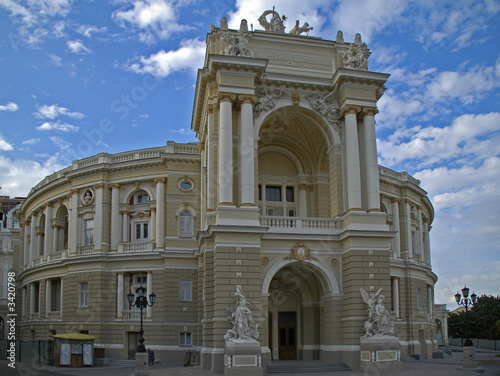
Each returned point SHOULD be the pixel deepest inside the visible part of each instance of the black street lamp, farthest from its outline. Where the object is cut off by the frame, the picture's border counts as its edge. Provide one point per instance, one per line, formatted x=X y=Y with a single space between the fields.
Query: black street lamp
x=141 y=302
x=466 y=302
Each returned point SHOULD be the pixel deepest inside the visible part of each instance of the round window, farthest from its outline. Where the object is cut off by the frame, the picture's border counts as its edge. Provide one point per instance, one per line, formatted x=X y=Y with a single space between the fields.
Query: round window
x=186 y=185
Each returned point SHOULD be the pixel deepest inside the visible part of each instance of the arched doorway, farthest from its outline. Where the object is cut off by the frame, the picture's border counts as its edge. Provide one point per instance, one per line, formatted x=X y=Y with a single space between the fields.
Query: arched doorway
x=296 y=312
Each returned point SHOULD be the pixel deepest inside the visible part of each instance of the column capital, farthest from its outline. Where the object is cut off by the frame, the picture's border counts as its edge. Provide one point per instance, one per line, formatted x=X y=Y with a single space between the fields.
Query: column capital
x=74 y=191
x=395 y=200
x=246 y=98
x=350 y=109
x=210 y=108
x=369 y=111
x=302 y=187
x=115 y=186
x=226 y=97
x=160 y=180
x=99 y=186
x=48 y=205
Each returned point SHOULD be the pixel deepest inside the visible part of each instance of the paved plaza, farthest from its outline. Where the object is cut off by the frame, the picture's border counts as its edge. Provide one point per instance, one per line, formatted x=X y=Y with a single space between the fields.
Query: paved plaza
x=450 y=366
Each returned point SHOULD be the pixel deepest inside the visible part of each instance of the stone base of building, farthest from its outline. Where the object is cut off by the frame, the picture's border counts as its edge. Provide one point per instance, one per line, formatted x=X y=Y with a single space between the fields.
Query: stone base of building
x=243 y=358
x=380 y=353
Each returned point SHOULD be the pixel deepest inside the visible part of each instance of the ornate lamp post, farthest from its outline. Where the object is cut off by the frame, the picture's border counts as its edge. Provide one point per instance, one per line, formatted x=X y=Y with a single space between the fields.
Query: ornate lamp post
x=466 y=302
x=141 y=302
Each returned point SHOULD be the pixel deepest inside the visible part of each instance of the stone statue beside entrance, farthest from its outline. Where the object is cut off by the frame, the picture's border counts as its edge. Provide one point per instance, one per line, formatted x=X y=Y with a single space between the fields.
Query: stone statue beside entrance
x=379 y=344
x=244 y=327
x=242 y=353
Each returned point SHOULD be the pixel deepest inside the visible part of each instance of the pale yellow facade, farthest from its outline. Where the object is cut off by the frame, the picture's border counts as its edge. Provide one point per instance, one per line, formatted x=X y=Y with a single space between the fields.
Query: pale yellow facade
x=282 y=196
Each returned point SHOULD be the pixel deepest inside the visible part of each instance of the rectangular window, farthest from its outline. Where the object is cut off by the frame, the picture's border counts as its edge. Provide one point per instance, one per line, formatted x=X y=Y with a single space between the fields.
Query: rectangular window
x=291 y=212
x=142 y=198
x=290 y=197
x=273 y=194
x=185 y=339
x=185 y=291
x=89 y=232
x=142 y=231
x=260 y=192
x=84 y=294
x=419 y=298
x=142 y=279
x=414 y=242
x=185 y=225
x=36 y=307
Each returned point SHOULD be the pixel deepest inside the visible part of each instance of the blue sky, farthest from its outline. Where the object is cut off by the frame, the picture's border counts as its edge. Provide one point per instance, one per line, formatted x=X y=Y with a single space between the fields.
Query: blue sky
x=82 y=77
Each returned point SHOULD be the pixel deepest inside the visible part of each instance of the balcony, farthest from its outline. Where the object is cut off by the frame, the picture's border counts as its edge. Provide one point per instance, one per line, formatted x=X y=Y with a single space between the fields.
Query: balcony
x=133 y=315
x=295 y=225
x=136 y=247
x=85 y=249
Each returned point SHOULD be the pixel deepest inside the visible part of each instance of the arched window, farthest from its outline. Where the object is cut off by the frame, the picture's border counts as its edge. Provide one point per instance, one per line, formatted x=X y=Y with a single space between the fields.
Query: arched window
x=185 y=224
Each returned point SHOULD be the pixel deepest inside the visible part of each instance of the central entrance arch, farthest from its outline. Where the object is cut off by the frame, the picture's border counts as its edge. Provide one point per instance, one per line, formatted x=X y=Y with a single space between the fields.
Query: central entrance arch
x=296 y=311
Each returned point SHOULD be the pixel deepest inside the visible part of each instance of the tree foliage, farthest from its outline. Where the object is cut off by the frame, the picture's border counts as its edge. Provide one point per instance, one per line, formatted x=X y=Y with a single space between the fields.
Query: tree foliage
x=483 y=317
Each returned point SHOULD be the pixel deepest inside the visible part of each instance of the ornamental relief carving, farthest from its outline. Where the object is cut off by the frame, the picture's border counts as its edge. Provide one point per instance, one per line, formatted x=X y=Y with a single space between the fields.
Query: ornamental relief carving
x=300 y=252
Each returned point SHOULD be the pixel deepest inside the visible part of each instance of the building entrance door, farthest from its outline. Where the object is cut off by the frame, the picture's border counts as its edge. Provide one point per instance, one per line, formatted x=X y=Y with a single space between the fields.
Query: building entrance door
x=133 y=342
x=287 y=331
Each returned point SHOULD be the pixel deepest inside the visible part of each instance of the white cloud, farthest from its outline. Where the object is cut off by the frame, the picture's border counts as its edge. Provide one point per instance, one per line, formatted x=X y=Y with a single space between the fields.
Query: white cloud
x=4 y=145
x=35 y=19
x=53 y=111
x=77 y=47
x=11 y=107
x=57 y=126
x=88 y=30
x=189 y=57
x=155 y=18
x=20 y=175
x=31 y=141
x=425 y=146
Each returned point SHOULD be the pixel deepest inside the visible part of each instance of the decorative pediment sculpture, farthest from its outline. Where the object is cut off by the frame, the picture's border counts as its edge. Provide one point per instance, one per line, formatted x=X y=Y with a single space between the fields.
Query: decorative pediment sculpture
x=266 y=98
x=379 y=321
x=276 y=22
x=244 y=327
x=326 y=105
x=356 y=57
x=237 y=45
x=297 y=30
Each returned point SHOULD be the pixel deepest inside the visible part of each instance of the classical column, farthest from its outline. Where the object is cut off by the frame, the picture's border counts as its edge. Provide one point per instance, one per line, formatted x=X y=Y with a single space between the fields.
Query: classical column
x=98 y=217
x=427 y=245
x=395 y=227
x=32 y=299
x=55 y=237
x=26 y=253
x=420 y=243
x=115 y=216
x=149 y=290
x=160 y=212
x=73 y=222
x=48 y=242
x=429 y=300
x=126 y=226
x=352 y=158
x=226 y=149
x=395 y=296
x=152 y=232
x=33 y=238
x=61 y=294
x=408 y=229
x=48 y=297
x=210 y=159
x=302 y=200
x=247 y=159
x=119 y=295
x=371 y=160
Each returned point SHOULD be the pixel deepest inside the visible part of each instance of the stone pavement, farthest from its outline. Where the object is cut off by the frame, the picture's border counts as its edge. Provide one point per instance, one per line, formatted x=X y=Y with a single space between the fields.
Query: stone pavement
x=430 y=367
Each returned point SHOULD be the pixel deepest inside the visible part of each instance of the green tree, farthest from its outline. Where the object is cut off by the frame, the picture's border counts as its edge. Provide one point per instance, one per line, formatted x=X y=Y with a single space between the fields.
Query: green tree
x=483 y=317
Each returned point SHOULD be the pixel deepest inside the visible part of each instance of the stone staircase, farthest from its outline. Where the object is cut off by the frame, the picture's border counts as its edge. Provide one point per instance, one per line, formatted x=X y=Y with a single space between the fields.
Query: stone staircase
x=288 y=367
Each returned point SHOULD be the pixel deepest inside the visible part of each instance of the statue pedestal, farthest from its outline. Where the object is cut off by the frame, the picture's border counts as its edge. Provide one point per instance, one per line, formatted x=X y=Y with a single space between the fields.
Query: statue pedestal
x=242 y=357
x=380 y=353
x=141 y=364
